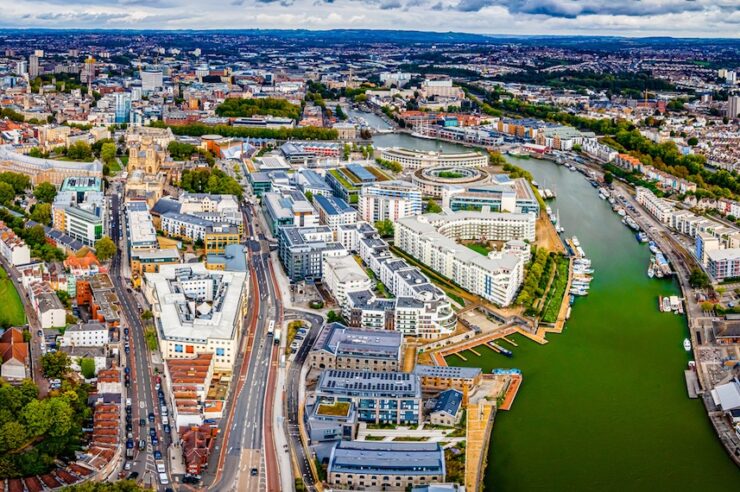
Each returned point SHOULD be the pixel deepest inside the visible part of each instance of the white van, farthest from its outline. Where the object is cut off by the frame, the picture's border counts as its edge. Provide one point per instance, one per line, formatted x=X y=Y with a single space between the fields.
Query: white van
x=163 y=479
x=165 y=420
x=160 y=467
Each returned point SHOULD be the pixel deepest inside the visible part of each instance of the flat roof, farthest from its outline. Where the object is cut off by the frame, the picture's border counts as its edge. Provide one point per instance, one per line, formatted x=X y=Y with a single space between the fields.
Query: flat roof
x=393 y=458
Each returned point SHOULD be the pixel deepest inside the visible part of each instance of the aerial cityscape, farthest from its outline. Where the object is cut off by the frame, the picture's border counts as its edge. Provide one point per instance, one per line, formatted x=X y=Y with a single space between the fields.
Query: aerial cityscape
x=384 y=246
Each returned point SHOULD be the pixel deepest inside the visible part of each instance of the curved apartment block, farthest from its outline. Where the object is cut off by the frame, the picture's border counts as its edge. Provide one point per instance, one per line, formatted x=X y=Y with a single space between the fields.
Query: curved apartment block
x=416 y=159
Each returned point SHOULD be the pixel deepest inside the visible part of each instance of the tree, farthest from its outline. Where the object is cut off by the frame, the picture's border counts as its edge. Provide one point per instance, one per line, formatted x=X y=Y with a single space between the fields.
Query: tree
x=36 y=417
x=12 y=436
x=495 y=158
x=105 y=248
x=608 y=178
x=61 y=413
x=7 y=193
x=332 y=317
x=55 y=364
x=108 y=153
x=309 y=196
x=707 y=306
x=147 y=315
x=80 y=151
x=698 y=279
x=35 y=236
x=42 y=213
x=45 y=192
x=693 y=141
x=433 y=207
x=385 y=228
x=87 y=367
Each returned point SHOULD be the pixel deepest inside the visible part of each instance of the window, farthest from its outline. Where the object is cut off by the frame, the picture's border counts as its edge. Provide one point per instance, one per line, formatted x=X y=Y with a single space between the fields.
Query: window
x=178 y=347
x=219 y=351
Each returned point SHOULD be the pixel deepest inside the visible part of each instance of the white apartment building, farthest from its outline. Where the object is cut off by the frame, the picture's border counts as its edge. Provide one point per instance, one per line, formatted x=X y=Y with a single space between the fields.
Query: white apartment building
x=389 y=200
x=198 y=311
x=657 y=207
x=13 y=248
x=85 y=335
x=416 y=159
x=342 y=275
x=432 y=239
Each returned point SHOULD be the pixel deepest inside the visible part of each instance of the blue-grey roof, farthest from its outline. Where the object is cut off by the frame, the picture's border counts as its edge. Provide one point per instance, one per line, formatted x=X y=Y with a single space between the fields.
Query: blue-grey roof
x=369 y=384
x=363 y=174
x=164 y=206
x=332 y=205
x=447 y=371
x=189 y=219
x=233 y=258
x=449 y=401
x=378 y=344
x=389 y=458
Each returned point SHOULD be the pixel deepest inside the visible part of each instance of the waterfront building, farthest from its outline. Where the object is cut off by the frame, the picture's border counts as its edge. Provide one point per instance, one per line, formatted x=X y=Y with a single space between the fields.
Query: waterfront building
x=415 y=159
x=599 y=151
x=40 y=170
x=288 y=208
x=563 y=137
x=726 y=330
x=390 y=466
x=655 y=206
x=380 y=397
x=723 y=264
x=440 y=378
x=342 y=275
x=516 y=196
x=197 y=311
x=432 y=181
x=432 y=239
x=334 y=212
x=448 y=409
x=340 y=347
x=302 y=250
x=390 y=200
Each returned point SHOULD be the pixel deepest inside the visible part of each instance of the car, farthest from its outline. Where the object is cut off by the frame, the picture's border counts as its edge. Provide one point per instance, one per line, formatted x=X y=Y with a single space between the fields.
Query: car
x=127 y=370
x=128 y=410
x=253 y=472
x=129 y=444
x=127 y=350
x=41 y=333
x=167 y=428
x=128 y=419
x=127 y=466
x=129 y=427
x=127 y=383
x=125 y=331
x=157 y=386
x=163 y=479
x=157 y=454
x=133 y=475
x=151 y=417
x=142 y=444
x=142 y=422
x=155 y=441
x=152 y=431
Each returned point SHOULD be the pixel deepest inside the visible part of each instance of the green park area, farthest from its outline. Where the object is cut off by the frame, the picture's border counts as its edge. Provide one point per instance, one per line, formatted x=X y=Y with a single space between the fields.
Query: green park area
x=12 y=312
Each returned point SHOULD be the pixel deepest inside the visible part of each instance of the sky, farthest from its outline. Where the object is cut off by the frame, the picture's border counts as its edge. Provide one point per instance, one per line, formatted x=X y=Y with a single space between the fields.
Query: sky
x=678 y=18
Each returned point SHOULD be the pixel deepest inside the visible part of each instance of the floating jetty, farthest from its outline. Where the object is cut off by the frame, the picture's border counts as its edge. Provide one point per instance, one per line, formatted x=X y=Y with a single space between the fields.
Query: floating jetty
x=692 y=383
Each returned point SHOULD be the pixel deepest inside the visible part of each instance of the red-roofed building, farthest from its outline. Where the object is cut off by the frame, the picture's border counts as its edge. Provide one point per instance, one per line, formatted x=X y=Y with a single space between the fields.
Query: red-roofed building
x=13 y=355
x=197 y=444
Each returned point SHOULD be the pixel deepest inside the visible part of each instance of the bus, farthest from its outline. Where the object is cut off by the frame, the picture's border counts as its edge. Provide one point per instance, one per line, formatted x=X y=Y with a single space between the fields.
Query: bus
x=271 y=327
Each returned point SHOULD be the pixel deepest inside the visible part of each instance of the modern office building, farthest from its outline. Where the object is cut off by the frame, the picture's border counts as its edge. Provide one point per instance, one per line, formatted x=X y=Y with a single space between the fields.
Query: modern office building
x=198 y=311
x=288 y=208
x=83 y=225
x=380 y=397
x=340 y=347
x=389 y=466
x=151 y=80
x=415 y=159
x=149 y=261
x=389 y=200
x=334 y=212
x=302 y=251
x=433 y=180
x=432 y=239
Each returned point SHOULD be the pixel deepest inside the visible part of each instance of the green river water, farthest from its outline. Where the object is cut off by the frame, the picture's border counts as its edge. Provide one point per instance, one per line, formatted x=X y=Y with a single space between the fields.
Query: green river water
x=603 y=405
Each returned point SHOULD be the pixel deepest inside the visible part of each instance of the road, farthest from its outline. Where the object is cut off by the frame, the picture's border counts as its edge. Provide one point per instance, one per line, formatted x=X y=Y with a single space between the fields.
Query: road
x=246 y=455
x=142 y=391
x=293 y=383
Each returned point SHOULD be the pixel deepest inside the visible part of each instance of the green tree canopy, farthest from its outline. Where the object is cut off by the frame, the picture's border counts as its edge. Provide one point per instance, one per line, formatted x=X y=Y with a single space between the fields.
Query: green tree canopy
x=7 y=193
x=45 y=192
x=108 y=153
x=385 y=228
x=55 y=364
x=105 y=248
x=42 y=213
x=80 y=151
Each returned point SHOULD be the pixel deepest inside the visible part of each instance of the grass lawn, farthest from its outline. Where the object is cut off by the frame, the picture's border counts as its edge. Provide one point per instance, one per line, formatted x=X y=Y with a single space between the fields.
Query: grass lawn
x=12 y=313
x=338 y=409
x=480 y=248
x=114 y=166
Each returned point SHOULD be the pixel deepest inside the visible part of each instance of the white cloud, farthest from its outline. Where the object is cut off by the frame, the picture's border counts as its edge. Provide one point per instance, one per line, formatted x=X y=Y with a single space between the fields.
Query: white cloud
x=711 y=18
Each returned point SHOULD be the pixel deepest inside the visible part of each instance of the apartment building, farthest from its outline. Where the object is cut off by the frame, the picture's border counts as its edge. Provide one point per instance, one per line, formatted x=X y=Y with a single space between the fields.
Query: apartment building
x=414 y=159
x=302 y=251
x=342 y=275
x=13 y=248
x=289 y=207
x=334 y=212
x=516 y=197
x=389 y=200
x=91 y=334
x=379 y=397
x=432 y=239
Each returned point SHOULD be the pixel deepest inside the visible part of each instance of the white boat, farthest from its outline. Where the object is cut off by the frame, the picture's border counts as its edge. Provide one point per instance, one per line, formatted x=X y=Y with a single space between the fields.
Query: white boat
x=621 y=212
x=687 y=345
x=576 y=242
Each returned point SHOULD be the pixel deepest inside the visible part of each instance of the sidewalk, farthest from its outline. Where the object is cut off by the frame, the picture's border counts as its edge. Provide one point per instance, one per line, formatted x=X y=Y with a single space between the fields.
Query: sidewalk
x=281 y=442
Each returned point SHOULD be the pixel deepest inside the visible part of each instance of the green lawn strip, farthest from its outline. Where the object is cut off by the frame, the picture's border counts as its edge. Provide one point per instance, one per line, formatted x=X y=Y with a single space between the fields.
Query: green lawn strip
x=12 y=313
x=556 y=292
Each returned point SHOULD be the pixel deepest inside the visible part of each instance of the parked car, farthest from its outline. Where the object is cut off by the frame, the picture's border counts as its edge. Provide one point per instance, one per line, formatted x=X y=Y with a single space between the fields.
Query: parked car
x=167 y=428
x=142 y=444
x=157 y=454
x=151 y=417
x=133 y=475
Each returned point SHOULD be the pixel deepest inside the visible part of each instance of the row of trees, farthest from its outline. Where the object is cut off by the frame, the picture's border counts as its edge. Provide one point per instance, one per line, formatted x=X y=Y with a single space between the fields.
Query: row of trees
x=301 y=133
x=393 y=166
x=268 y=106
x=181 y=151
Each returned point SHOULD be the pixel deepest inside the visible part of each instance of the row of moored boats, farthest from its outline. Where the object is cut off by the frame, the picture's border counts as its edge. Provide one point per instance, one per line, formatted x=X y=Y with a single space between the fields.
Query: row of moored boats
x=582 y=271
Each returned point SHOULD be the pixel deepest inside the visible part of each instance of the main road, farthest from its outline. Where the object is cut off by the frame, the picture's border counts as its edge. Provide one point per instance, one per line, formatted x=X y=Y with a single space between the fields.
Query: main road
x=141 y=391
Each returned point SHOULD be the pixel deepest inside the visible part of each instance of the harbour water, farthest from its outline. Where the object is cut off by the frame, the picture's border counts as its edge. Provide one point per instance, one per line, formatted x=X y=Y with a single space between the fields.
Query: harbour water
x=603 y=405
